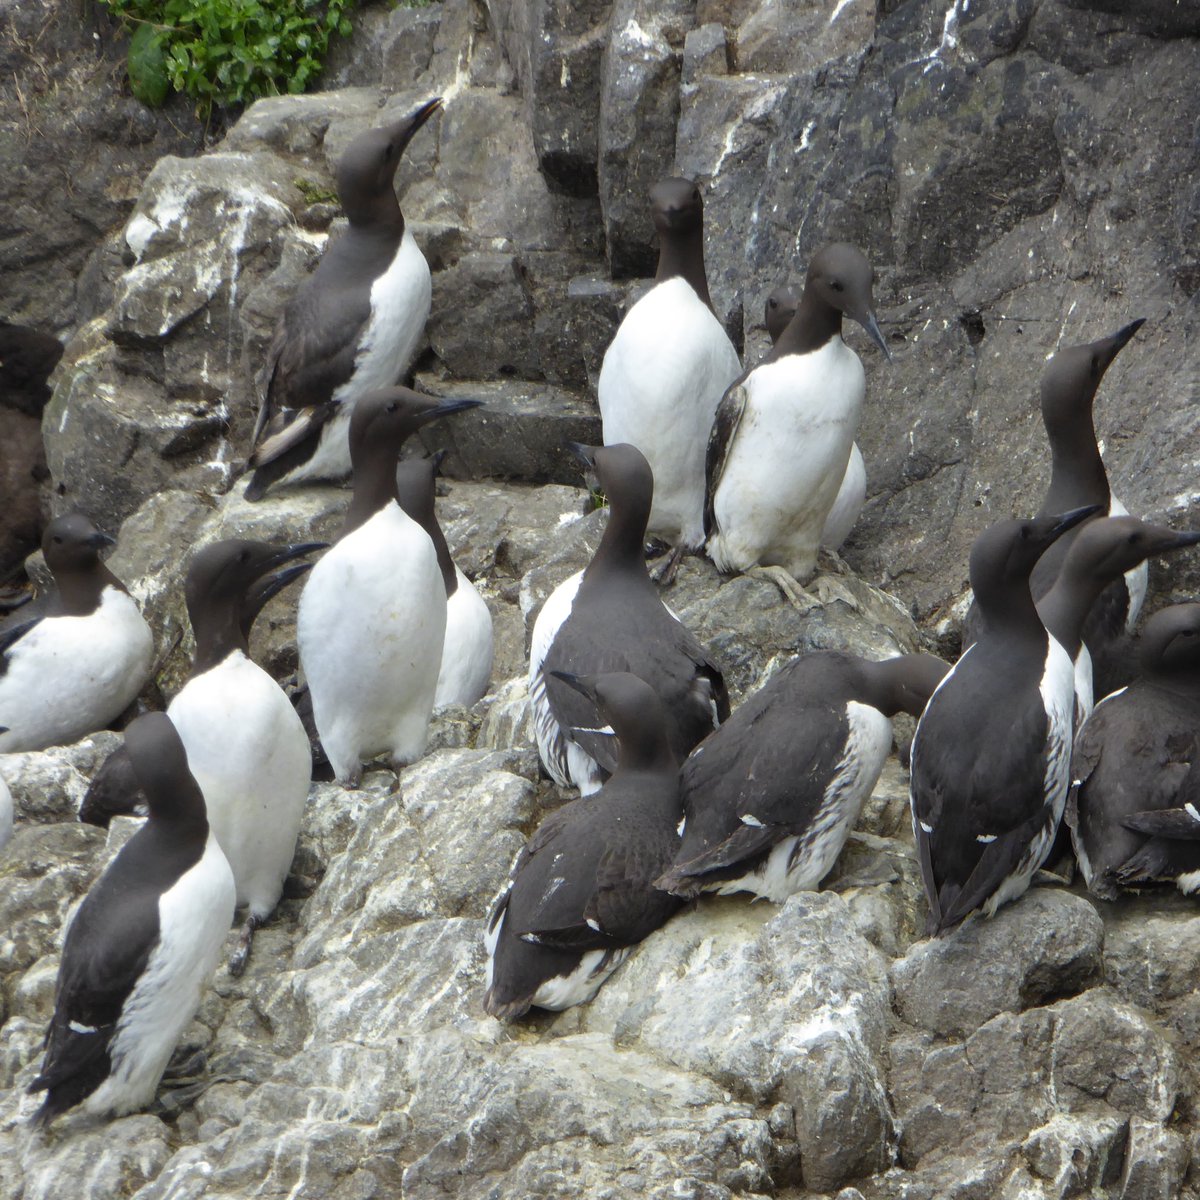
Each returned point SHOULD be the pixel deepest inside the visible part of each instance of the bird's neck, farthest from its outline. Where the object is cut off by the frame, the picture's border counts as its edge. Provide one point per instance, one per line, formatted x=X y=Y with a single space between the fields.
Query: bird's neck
x=681 y=255
x=374 y=488
x=813 y=324
x=1077 y=474
x=218 y=634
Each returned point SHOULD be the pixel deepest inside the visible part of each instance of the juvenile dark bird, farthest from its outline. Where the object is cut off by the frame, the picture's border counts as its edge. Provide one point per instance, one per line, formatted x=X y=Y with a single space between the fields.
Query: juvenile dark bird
x=1134 y=767
x=467 y=650
x=783 y=433
x=352 y=327
x=666 y=369
x=609 y=617
x=372 y=616
x=1103 y=551
x=770 y=798
x=992 y=750
x=580 y=895
x=78 y=667
x=852 y=494
x=141 y=946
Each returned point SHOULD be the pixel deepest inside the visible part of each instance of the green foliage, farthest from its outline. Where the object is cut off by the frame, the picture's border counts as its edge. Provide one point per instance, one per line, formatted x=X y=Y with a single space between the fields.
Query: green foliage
x=227 y=52
x=315 y=193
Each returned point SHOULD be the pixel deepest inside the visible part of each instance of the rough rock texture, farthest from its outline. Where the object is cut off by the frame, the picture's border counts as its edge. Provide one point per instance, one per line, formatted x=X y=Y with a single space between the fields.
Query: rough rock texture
x=1022 y=176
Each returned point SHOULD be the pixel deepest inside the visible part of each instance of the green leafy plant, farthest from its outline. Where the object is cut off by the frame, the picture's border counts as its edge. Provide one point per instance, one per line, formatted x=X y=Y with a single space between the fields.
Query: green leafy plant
x=226 y=53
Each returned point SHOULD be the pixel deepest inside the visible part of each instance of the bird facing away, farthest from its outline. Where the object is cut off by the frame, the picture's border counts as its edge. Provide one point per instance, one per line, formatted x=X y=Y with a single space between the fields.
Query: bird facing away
x=991 y=753
x=782 y=438
x=141 y=946
x=75 y=669
x=1134 y=767
x=1067 y=390
x=352 y=327
x=246 y=747
x=852 y=494
x=372 y=616
x=580 y=894
x=467 y=650
x=770 y=798
x=609 y=617
x=666 y=369
x=1102 y=552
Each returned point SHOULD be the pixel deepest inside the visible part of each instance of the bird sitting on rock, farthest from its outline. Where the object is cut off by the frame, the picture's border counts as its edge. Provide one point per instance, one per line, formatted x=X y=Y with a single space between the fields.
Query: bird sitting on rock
x=783 y=433
x=581 y=893
x=352 y=327
x=609 y=617
x=141 y=946
x=1134 y=787
x=770 y=798
x=77 y=668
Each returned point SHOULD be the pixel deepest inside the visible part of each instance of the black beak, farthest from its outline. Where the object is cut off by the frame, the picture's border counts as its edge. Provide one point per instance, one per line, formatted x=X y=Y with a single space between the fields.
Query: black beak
x=1069 y=520
x=1124 y=336
x=580 y=683
x=296 y=550
x=447 y=408
x=98 y=540
x=272 y=585
x=871 y=324
x=404 y=129
x=438 y=458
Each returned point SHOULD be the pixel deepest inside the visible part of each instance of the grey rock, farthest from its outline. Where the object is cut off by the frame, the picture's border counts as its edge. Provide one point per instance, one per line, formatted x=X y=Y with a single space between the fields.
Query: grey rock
x=639 y=109
x=705 y=52
x=48 y=786
x=520 y=433
x=1047 y=945
x=1076 y=1155
x=1156 y=1160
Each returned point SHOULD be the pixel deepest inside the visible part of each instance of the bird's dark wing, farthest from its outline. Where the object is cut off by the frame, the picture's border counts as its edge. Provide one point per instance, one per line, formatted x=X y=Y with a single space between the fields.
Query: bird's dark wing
x=1181 y=823
x=724 y=430
x=9 y=639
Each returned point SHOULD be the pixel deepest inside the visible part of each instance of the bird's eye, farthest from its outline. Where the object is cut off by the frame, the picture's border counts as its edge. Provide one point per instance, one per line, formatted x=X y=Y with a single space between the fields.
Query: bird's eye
x=393 y=406
x=836 y=285
x=772 y=303
x=1095 y=363
x=1134 y=538
x=695 y=193
x=57 y=541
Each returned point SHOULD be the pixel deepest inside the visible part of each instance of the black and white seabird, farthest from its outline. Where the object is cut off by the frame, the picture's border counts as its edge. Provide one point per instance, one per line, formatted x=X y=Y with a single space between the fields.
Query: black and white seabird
x=467 y=650
x=353 y=327
x=141 y=945
x=770 y=798
x=245 y=744
x=372 y=615
x=667 y=368
x=782 y=438
x=1068 y=389
x=27 y=357
x=992 y=750
x=609 y=617
x=1103 y=551
x=581 y=895
x=852 y=495
x=72 y=671
x=1134 y=767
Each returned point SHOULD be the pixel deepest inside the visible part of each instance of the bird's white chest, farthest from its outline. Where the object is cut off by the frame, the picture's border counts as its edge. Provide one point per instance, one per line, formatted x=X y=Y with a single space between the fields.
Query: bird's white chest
x=71 y=675
x=789 y=454
x=1057 y=690
x=400 y=300
x=467 y=655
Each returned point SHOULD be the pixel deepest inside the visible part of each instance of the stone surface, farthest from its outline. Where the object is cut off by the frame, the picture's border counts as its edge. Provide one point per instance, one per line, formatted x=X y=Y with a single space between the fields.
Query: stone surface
x=1048 y=946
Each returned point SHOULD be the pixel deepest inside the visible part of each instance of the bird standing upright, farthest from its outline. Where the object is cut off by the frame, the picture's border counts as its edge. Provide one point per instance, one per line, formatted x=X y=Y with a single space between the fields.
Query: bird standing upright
x=992 y=750
x=352 y=327
x=372 y=616
x=782 y=437
x=666 y=369
x=141 y=945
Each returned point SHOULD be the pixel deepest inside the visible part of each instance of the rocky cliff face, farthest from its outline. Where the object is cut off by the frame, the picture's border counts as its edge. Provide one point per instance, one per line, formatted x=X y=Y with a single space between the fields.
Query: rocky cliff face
x=1023 y=175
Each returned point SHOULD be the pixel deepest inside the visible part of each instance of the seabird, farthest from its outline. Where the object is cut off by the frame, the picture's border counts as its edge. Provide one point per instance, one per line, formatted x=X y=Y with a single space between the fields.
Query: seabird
x=852 y=494
x=467 y=650
x=781 y=441
x=77 y=668
x=609 y=617
x=1134 y=767
x=352 y=327
x=372 y=615
x=141 y=945
x=666 y=369
x=991 y=754
x=770 y=798
x=580 y=895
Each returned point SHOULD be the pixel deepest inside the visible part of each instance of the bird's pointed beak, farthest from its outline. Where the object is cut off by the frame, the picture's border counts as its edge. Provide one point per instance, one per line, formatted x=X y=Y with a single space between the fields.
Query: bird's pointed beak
x=1068 y=520
x=288 y=553
x=586 y=455
x=404 y=129
x=99 y=541
x=274 y=584
x=871 y=324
